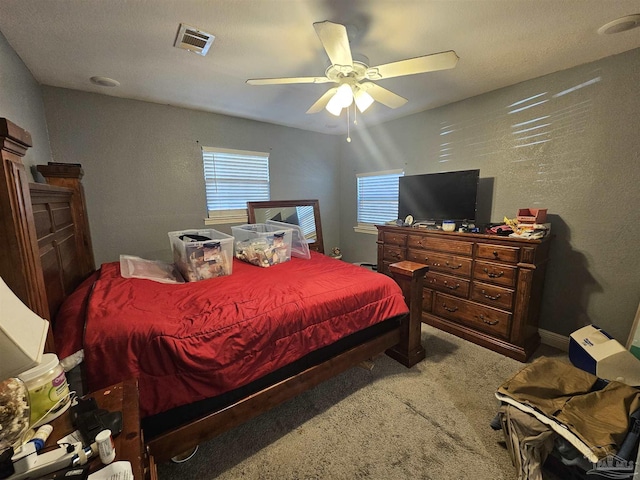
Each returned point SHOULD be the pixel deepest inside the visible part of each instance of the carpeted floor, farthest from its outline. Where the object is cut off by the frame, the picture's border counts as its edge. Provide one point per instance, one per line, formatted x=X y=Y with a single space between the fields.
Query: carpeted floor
x=388 y=423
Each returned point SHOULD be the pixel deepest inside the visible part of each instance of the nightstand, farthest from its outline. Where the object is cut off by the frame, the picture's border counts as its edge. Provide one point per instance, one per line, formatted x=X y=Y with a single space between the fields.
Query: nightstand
x=129 y=444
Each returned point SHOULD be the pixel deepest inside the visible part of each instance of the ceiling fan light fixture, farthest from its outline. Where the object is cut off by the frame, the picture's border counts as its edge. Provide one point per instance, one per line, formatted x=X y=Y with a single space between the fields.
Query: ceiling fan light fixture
x=363 y=100
x=344 y=95
x=343 y=98
x=334 y=106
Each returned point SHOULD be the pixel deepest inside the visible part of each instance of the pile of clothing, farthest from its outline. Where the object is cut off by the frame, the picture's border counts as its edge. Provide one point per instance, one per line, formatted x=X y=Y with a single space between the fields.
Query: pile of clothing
x=552 y=404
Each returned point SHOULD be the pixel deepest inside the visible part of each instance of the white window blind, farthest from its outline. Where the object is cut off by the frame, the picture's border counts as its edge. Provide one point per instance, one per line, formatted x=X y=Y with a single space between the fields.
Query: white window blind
x=306 y=220
x=378 y=197
x=233 y=178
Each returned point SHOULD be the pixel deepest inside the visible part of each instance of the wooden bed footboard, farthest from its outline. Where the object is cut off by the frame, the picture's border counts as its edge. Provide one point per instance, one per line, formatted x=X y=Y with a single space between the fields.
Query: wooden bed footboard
x=46 y=245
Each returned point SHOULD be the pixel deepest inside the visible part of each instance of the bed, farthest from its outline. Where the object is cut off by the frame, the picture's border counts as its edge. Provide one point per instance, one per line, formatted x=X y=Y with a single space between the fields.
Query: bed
x=52 y=269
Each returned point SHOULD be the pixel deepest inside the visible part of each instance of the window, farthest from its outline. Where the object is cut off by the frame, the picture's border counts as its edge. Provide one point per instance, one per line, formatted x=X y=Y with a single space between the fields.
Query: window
x=233 y=178
x=377 y=199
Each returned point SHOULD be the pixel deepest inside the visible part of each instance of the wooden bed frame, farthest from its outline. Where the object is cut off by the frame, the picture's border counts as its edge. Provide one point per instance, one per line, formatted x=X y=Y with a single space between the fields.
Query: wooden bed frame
x=46 y=253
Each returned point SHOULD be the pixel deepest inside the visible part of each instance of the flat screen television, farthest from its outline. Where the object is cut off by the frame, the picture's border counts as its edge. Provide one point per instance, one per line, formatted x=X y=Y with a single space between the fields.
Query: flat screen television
x=439 y=196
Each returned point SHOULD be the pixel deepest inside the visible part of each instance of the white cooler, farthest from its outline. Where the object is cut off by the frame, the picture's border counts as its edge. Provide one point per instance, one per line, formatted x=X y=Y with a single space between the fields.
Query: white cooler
x=595 y=351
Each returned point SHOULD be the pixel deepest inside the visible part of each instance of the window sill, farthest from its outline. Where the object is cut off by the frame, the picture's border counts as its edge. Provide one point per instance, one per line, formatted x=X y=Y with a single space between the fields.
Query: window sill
x=226 y=220
x=370 y=229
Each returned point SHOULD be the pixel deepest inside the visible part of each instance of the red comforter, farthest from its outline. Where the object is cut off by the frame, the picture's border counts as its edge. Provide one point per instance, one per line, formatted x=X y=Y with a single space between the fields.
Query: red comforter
x=197 y=340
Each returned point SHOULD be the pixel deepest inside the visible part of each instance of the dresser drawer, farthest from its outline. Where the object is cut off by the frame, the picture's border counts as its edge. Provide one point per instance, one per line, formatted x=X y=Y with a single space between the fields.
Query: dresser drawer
x=393 y=254
x=427 y=299
x=441 y=245
x=446 y=283
x=492 y=295
x=496 y=273
x=487 y=319
x=439 y=262
x=392 y=238
x=499 y=253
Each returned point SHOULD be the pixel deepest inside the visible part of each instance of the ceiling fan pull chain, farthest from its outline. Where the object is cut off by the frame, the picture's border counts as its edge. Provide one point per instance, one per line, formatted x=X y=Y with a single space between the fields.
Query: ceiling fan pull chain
x=348 y=122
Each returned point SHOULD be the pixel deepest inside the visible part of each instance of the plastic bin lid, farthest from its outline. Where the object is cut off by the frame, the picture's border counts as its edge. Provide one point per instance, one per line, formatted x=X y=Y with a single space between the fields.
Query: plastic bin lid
x=299 y=245
x=49 y=362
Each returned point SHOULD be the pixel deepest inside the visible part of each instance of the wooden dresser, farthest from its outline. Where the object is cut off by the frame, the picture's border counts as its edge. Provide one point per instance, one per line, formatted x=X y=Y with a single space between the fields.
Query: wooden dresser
x=483 y=288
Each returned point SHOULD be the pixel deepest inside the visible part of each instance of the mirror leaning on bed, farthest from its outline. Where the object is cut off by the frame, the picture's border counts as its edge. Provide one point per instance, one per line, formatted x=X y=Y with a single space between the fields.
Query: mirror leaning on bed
x=304 y=213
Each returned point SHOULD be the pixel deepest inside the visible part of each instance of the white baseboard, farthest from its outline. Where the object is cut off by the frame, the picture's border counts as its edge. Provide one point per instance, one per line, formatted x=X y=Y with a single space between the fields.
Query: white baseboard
x=554 y=339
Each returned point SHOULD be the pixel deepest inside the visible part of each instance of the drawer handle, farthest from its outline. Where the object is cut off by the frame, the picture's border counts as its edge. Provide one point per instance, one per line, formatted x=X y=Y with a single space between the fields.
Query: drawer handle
x=491 y=274
x=488 y=322
x=452 y=267
x=495 y=254
x=490 y=297
x=452 y=287
x=448 y=309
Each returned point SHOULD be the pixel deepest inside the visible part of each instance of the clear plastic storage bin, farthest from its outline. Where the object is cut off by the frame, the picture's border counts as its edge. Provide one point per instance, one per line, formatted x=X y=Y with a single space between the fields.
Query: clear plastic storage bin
x=202 y=254
x=261 y=244
x=299 y=244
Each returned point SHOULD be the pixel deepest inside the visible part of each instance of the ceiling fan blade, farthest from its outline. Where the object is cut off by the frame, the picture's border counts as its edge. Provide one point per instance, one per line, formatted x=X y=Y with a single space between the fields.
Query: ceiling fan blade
x=382 y=95
x=411 y=66
x=322 y=101
x=335 y=42
x=286 y=80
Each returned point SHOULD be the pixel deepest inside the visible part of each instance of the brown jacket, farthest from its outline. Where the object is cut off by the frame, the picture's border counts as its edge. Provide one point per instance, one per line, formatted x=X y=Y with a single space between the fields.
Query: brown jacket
x=563 y=394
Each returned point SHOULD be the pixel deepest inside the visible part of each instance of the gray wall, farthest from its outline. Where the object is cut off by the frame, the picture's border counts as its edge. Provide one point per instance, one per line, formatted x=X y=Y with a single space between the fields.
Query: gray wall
x=21 y=103
x=581 y=161
x=143 y=166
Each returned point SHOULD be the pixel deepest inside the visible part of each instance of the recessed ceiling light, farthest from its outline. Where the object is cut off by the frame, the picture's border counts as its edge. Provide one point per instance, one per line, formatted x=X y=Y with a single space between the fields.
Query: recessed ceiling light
x=621 y=24
x=105 y=82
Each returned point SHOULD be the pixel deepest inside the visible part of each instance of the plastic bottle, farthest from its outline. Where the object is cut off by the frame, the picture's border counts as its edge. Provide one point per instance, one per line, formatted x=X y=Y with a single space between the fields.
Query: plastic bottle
x=41 y=436
x=106 y=448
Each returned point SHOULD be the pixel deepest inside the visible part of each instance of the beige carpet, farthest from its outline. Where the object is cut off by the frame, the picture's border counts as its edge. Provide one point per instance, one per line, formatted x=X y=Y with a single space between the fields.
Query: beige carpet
x=428 y=422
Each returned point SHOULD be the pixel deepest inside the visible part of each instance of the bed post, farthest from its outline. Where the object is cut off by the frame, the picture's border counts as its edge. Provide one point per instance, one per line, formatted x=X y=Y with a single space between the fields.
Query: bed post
x=20 y=262
x=69 y=175
x=410 y=277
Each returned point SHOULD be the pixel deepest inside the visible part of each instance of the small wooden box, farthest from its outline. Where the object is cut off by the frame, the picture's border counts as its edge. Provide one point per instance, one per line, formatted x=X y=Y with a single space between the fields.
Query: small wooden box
x=532 y=215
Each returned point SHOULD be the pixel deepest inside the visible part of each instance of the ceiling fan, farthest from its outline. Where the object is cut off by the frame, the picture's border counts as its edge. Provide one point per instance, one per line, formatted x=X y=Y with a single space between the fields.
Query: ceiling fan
x=354 y=78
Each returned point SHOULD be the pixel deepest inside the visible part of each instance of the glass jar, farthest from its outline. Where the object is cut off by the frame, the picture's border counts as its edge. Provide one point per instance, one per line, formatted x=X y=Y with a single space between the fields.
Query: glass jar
x=14 y=412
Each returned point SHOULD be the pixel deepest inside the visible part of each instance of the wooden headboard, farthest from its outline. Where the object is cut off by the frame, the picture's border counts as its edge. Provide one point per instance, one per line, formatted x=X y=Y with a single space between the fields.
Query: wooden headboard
x=44 y=232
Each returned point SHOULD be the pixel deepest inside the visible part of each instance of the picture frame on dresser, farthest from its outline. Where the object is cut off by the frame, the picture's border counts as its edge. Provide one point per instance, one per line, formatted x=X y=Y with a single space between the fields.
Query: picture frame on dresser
x=484 y=288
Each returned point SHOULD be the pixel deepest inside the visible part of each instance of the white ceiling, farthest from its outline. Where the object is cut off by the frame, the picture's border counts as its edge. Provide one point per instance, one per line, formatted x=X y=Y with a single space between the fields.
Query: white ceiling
x=499 y=42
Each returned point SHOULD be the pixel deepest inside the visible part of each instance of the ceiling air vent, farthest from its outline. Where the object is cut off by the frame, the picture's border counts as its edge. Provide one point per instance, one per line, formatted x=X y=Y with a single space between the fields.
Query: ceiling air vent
x=194 y=40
